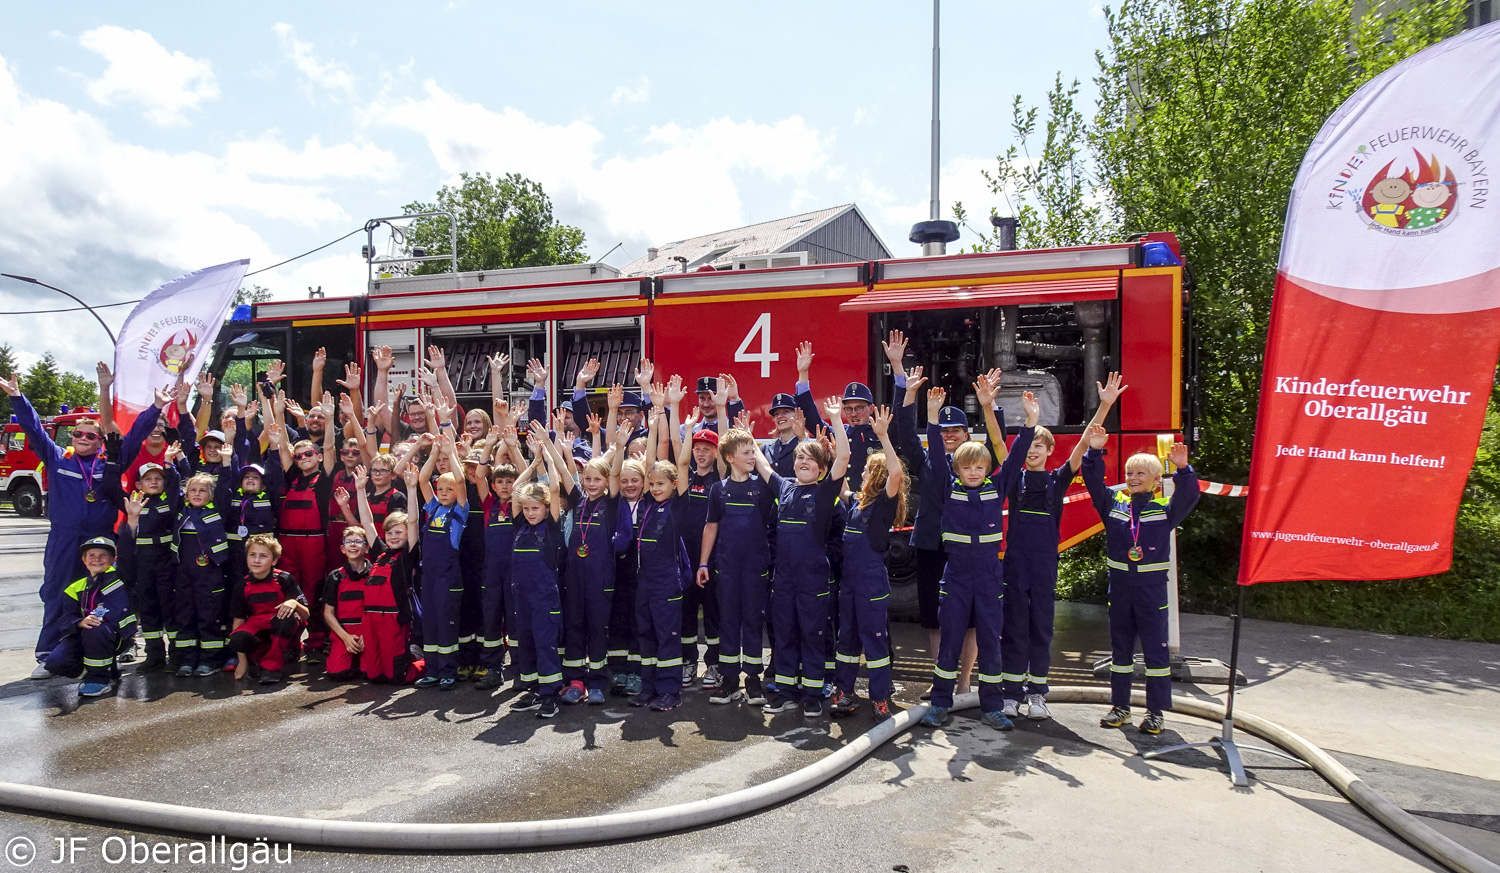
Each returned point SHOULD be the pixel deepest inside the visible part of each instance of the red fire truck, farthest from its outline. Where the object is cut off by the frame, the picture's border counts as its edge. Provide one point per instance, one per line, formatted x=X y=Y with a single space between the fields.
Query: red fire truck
x=23 y=479
x=1055 y=320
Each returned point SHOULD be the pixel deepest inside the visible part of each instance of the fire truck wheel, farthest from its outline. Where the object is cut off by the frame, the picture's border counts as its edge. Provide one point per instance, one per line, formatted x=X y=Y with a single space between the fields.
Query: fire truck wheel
x=27 y=500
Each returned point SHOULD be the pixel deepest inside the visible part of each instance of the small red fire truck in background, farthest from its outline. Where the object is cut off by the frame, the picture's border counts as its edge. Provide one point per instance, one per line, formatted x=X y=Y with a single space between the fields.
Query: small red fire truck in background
x=1055 y=320
x=23 y=479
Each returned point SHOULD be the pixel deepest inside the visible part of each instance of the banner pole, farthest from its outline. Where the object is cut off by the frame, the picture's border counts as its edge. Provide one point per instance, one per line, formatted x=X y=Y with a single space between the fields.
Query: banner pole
x=1225 y=742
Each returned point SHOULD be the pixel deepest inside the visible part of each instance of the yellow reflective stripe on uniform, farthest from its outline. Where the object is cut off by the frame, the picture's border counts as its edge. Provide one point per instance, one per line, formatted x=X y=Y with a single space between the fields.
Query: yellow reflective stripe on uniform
x=98 y=662
x=944 y=674
x=956 y=537
x=127 y=620
x=209 y=519
x=1034 y=512
x=549 y=678
x=812 y=683
x=669 y=662
x=569 y=662
x=786 y=680
x=846 y=659
x=753 y=659
x=989 y=495
x=596 y=665
x=113 y=587
x=1035 y=679
x=728 y=659
x=1013 y=677
x=1115 y=565
x=1122 y=668
x=1158 y=672
x=990 y=538
x=616 y=653
x=1151 y=568
x=878 y=662
x=990 y=678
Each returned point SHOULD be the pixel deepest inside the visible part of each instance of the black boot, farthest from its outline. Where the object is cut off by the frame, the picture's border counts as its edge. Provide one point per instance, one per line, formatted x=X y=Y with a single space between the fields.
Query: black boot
x=156 y=657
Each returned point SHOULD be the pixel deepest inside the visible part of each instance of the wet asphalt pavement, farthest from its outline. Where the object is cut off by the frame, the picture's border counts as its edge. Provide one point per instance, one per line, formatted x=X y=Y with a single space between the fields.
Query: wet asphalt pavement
x=958 y=799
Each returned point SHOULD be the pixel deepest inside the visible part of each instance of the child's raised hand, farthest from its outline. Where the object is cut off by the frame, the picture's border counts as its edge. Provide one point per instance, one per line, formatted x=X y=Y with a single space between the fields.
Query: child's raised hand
x=134 y=503
x=1179 y=455
x=658 y=395
x=1111 y=390
x=596 y=424
x=914 y=378
x=1097 y=436
x=804 y=356
x=734 y=387
x=351 y=378
x=273 y=436
x=622 y=435
x=383 y=357
x=411 y=475
x=984 y=392
x=615 y=396
x=833 y=407
x=320 y=357
x=586 y=373
x=1031 y=406
x=742 y=421
x=675 y=391
x=643 y=374
x=536 y=371
x=342 y=496
x=721 y=394
x=881 y=422
x=435 y=359
x=799 y=423
x=512 y=439
x=498 y=362
x=493 y=436
x=237 y=395
x=276 y=371
x=327 y=405
x=361 y=476
x=935 y=400
x=895 y=350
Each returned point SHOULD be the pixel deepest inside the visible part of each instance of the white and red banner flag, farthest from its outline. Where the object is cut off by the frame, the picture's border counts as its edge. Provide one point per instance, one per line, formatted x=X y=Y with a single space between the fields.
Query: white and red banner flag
x=1385 y=326
x=170 y=333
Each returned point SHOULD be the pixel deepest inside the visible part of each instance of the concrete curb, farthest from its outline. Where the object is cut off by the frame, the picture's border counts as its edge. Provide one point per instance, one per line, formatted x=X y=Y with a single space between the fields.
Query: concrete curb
x=633 y=825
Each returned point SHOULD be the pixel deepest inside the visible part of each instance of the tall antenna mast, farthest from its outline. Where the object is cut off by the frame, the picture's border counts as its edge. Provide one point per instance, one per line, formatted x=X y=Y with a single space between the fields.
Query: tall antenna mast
x=934 y=234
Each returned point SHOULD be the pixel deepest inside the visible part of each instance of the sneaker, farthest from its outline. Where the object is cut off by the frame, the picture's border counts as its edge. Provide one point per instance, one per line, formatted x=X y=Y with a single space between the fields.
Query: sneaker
x=844 y=704
x=665 y=702
x=1153 y=722
x=465 y=672
x=642 y=698
x=936 y=716
x=689 y=675
x=632 y=684
x=926 y=695
x=489 y=681
x=754 y=694
x=446 y=684
x=426 y=682
x=526 y=702
x=779 y=703
x=1036 y=707
x=998 y=721
x=204 y=670
x=828 y=689
x=548 y=708
x=41 y=672
x=126 y=657
x=727 y=692
x=812 y=708
x=231 y=663
x=270 y=677
x=881 y=708
x=479 y=673
x=712 y=678
x=617 y=684
x=94 y=689
x=185 y=670
x=1119 y=716
x=596 y=697
x=772 y=687
x=1011 y=708
x=573 y=694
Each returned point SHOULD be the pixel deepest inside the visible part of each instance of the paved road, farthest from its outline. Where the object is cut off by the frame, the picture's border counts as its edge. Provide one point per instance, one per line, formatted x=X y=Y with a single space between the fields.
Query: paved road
x=1057 y=795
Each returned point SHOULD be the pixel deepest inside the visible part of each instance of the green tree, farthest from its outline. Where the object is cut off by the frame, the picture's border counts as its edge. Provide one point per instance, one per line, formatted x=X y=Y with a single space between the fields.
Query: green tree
x=1053 y=196
x=502 y=222
x=78 y=391
x=1206 y=108
x=42 y=385
x=7 y=369
x=253 y=294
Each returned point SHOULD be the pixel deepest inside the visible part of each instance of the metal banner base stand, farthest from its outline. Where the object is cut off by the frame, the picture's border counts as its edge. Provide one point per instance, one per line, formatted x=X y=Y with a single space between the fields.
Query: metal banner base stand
x=1225 y=742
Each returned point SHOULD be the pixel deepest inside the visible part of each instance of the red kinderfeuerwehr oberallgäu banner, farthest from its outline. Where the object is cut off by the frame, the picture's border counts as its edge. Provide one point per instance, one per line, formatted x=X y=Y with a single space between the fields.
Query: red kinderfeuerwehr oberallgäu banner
x=1385 y=326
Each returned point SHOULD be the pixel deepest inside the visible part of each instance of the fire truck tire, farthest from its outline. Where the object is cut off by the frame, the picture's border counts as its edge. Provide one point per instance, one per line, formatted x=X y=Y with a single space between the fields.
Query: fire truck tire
x=26 y=498
x=901 y=567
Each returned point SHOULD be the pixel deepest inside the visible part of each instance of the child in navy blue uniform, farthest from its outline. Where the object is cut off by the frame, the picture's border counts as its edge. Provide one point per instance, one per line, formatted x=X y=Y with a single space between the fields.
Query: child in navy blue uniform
x=202 y=549
x=662 y=565
x=801 y=592
x=496 y=490
x=973 y=586
x=446 y=511
x=1033 y=530
x=1138 y=529
x=698 y=461
x=96 y=623
x=865 y=588
x=589 y=580
x=535 y=560
x=736 y=551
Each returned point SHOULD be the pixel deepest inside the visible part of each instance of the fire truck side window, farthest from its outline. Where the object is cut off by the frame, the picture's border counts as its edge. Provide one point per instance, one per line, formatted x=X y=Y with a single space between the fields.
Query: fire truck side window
x=338 y=340
x=467 y=355
x=1055 y=351
x=616 y=348
x=247 y=356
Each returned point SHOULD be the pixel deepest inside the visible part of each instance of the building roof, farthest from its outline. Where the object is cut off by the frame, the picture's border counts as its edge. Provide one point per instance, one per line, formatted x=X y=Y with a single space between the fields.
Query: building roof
x=720 y=249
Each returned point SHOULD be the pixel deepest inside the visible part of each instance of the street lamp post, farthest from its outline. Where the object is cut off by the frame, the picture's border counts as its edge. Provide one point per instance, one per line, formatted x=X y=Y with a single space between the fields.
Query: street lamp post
x=112 y=340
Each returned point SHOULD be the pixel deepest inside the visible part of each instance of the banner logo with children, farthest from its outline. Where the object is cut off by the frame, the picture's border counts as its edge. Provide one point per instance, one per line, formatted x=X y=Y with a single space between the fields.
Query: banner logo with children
x=1385 y=328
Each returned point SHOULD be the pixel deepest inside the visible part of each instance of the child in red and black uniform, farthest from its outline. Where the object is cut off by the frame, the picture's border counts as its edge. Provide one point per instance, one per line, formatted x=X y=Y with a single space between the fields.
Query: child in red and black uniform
x=386 y=629
x=302 y=521
x=268 y=611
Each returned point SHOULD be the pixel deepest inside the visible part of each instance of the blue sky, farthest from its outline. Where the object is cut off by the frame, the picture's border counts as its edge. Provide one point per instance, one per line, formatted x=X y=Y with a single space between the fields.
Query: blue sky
x=141 y=141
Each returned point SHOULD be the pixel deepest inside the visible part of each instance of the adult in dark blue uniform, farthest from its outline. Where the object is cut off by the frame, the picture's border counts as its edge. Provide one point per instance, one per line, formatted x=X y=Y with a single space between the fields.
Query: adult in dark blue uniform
x=76 y=504
x=1138 y=529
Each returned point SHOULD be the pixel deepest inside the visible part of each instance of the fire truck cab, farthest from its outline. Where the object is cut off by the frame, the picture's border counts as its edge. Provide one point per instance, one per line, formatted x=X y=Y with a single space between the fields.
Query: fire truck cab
x=23 y=478
x=1055 y=320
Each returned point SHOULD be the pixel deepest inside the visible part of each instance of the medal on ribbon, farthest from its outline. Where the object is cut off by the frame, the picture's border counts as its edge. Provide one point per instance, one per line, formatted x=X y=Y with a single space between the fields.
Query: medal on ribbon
x=203 y=560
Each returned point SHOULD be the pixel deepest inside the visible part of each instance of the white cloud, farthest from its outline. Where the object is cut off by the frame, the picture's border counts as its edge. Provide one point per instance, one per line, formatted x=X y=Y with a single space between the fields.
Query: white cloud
x=109 y=220
x=140 y=70
x=637 y=93
x=327 y=75
x=959 y=181
x=1096 y=11
x=269 y=157
x=681 y=181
